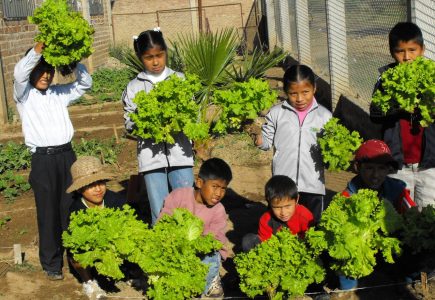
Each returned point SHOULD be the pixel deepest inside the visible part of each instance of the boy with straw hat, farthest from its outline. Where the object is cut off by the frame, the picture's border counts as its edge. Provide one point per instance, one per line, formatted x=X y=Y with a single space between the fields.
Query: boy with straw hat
x=89 y=187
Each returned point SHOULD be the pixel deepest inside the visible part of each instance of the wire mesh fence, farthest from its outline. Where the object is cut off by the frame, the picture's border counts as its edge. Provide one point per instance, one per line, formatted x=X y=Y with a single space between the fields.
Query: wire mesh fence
x=359 y=45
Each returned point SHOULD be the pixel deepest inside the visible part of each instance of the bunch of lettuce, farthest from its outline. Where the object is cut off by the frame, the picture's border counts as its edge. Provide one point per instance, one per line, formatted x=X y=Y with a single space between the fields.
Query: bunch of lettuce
x=419 y=229
x=169 y=109
x=104 y=237
x=242 y=102
x=171 y=256
x=66 y=34
x=353 y=230
x=410 y=86
x=281 y=266
x=338 y=145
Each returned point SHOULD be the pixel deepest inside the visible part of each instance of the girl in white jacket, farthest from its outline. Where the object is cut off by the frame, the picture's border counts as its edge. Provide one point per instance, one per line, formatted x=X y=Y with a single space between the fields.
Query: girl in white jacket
x=292 y=128
x=165 y=166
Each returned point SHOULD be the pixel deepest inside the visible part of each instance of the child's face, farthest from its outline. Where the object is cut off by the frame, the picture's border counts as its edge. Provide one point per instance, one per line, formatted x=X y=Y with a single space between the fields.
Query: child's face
x=41 y=77
x=210 y=192
x=154 y=60
x=373 y=174
x=407 y=51
x=284 y=208
x=94 y=193
x=301 y=94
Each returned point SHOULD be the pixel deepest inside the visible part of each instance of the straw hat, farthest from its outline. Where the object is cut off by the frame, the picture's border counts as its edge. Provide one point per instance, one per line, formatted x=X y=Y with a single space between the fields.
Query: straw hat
x=86 y=170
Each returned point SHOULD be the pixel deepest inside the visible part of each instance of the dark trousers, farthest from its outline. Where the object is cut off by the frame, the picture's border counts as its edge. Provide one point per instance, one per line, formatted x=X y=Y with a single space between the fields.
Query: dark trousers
x=49 y=177
x=314 y=202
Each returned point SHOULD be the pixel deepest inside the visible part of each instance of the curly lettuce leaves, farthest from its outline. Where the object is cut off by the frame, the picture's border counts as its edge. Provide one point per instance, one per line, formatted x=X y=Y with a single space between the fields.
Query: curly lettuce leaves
x=419 y=229
x=168 y=109
x=338 y=145
x=67 y=36
x=411 y=86
x=280 y=266
x=353 y=230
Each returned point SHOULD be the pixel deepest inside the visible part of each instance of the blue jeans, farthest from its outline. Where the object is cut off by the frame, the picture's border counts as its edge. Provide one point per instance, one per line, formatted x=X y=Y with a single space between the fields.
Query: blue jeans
x=159 y=182
x=213 y=260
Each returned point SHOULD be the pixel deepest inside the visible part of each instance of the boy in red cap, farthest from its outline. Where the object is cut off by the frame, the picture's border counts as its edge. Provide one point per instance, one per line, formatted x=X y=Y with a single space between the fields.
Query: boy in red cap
x=373 y=162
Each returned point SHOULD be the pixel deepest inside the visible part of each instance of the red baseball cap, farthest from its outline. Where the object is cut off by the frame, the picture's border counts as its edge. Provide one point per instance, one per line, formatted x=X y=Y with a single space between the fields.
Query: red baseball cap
x=375 y=151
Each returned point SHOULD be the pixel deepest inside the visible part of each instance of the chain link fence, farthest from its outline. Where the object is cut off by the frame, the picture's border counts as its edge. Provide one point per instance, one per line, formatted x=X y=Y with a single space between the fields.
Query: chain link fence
x=344 y=41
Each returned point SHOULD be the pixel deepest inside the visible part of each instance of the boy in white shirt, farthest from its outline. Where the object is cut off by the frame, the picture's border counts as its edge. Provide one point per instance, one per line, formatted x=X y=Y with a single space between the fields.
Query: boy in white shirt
x=48 y=131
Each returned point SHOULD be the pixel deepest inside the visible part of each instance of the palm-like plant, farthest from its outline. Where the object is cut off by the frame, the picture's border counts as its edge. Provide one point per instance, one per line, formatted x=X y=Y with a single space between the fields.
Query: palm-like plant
x=209 y=56
x=256 y=64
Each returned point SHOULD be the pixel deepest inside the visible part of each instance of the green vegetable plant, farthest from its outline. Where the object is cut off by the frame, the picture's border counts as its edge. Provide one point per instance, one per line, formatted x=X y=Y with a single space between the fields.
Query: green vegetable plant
x=109 y=83
x=281 y=266
x=4 y=221
x=104 y=238
x=66 y=34
x=354 y=230
x=419 y=229
x=241 y=103
x=410 y=86
x=168 y=109
x=12 y=185
x=338 y=145
x=169 y=253
x=171 y=256
x=106 y=150
x=14 y=156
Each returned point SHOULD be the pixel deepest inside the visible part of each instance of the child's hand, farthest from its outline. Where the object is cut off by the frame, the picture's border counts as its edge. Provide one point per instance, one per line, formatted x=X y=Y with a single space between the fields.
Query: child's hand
x=254 y=131
x=39 y=47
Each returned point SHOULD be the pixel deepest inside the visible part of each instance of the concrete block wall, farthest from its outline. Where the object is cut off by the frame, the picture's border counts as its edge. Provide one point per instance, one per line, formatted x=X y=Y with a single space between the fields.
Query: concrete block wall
x=130 y=17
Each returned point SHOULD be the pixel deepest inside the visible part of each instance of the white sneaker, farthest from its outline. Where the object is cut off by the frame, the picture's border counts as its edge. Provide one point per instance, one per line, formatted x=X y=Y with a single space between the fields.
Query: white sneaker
x=215 y=291
x=93 y=290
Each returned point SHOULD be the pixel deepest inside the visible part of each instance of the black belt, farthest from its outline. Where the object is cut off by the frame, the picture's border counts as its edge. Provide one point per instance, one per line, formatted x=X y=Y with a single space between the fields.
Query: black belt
x=54 y=149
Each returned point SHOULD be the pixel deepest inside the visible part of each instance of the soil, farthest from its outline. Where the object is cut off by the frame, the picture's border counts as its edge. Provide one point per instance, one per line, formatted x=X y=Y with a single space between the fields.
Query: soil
x=244 y=203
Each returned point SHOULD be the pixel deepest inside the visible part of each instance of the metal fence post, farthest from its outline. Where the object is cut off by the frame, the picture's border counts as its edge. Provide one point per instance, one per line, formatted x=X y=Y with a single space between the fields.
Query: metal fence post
x=303 y=31
x=285 y=25
x=271 y=26
x=422 y=14
x=337 y=46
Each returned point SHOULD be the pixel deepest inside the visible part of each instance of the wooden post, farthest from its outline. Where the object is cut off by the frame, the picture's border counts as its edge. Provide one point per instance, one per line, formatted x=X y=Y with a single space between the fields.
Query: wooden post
x=116 y=134
x=18 y=256
x=3 y=103
x=423 y=276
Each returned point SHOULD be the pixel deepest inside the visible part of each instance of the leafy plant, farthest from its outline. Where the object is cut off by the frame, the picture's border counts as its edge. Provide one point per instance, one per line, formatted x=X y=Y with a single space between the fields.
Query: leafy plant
x=256 y=64
x=208 y=55
x=104 y=238
x=353 y=230
x=171 y=257
x=14 y=156
x=168 y=109
x=419 y=229
x=279 y=266
x=12 y=185
x=411 y=86
x=4 y=221
x=169 y=253
x=66 y=34
x=338 y=145
x=242 y=102
x=108 y=83
x=107 y=150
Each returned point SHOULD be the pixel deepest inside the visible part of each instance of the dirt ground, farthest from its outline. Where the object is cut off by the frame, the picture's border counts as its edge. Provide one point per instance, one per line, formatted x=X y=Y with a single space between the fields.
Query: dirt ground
x=244 y=203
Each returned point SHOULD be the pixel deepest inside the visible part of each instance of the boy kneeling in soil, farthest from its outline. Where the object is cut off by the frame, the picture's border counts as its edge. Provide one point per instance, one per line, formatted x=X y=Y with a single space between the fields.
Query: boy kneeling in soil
x=89 y=187
x=284 y=211
x=203 y=201
x=373 y=162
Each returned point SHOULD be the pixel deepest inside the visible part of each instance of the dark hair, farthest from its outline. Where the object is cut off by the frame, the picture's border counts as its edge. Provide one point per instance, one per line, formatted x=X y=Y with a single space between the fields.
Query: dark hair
x=215 y=168
x=297 y=73
x=147 y=40
x=404 y=32
x=279 y=187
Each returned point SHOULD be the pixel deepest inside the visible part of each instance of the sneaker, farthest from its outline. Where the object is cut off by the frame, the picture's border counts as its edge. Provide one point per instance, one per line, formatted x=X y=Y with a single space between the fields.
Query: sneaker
x=215 y=291
x=54 y=275
x=93 y=290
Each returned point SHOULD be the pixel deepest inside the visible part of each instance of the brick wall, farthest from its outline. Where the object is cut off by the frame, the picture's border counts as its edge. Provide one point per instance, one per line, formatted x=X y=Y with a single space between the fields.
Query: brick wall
x=17 y=36
x=130 y=17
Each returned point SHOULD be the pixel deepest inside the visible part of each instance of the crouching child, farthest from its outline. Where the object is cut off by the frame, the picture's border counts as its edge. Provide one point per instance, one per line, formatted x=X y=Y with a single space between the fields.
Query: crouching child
x=203 y=200
x=284 y=211
x=89 y=191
